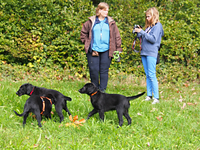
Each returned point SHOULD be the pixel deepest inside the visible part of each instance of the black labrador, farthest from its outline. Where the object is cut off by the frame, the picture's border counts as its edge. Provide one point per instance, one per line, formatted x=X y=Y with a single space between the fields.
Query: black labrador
x=37 y=105
x=103 y=102
x=59 y=100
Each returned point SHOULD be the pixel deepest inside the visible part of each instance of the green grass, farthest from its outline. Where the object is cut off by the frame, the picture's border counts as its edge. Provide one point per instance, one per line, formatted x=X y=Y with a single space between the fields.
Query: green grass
x=162 y=126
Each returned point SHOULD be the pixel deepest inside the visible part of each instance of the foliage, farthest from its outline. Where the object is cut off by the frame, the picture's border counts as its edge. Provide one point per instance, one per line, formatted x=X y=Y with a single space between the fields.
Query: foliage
x=42 y=33
x=46 y=33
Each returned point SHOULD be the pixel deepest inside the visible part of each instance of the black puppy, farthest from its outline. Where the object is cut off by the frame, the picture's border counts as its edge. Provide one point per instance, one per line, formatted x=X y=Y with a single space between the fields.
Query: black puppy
x=59 y=100
x=37 y=105
x=103 y=102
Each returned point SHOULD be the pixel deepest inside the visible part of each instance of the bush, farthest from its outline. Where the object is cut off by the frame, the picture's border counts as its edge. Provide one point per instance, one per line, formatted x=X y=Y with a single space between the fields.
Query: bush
x=46 y=33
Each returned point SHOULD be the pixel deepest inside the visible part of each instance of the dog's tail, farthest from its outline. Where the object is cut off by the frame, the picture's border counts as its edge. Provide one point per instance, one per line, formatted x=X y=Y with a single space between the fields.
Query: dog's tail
x=67 y=98
x=134 y=97
x=19 y=114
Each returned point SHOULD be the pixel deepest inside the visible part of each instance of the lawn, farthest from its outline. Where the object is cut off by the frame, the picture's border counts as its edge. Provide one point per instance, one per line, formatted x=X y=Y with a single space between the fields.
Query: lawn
x=174 y=123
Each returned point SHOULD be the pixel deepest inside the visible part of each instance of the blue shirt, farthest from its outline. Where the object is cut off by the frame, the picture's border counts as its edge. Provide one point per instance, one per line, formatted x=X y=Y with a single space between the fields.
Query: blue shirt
x=151 y=40
x=101 y=36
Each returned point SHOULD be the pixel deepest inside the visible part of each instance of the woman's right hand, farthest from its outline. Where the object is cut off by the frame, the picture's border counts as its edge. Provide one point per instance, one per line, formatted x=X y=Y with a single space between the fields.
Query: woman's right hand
x=138 y=30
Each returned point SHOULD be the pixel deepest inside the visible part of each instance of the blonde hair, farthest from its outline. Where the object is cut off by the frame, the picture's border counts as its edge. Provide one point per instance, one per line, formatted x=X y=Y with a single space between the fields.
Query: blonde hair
x=153 y=12
x=100 y=6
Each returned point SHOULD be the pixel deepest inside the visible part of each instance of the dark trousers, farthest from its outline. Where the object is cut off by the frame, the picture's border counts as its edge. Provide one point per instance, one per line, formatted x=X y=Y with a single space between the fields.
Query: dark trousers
x=99 y=67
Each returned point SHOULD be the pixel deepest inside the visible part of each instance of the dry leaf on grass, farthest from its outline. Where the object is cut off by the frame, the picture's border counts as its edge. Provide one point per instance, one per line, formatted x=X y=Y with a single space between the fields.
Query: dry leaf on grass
x=60 y=125
x=36 y=145
x=159 y=118
x=82 y=121
x=75 y=118
x=70 y=118
x=184 y=105
x=46 y=137
x=75 y=122
x=190 y=104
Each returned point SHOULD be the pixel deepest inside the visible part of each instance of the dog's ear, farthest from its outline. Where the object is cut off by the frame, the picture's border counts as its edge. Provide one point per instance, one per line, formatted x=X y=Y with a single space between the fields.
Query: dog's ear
x=93 y=84
x=92 y=87
x=29 y=88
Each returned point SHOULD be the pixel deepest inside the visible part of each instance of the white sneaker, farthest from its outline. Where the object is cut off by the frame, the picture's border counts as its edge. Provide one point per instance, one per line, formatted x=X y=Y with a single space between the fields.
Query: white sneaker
x=155 y=101
x=147 y=98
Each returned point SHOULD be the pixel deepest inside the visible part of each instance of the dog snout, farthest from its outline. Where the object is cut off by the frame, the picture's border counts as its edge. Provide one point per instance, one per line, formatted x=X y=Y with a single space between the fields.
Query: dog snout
x=81 y=90
x=18 y=93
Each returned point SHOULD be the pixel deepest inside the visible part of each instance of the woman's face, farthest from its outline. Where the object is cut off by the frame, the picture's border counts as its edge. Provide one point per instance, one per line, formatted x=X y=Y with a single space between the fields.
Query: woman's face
x=148 y=17
x=104 y=12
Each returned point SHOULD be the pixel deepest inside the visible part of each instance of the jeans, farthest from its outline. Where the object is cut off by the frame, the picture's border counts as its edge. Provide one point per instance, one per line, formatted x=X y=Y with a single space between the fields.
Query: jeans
x=149 y=64
x=99 y=67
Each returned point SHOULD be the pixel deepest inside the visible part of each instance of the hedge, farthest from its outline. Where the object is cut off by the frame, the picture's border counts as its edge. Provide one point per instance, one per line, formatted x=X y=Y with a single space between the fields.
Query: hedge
x=43 y=33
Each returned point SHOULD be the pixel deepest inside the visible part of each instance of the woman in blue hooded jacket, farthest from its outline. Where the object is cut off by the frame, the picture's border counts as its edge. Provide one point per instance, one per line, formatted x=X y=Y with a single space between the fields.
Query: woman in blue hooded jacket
x=151 y=39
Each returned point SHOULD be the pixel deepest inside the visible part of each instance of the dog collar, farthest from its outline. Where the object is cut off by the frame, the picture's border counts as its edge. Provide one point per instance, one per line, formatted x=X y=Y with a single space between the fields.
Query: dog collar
x=93 y=93
x=31 y=92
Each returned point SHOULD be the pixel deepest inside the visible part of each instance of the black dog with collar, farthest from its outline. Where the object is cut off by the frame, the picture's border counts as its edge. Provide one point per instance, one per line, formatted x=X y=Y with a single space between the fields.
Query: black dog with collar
x=37 y=105
x=103 y=102
x=59 y=100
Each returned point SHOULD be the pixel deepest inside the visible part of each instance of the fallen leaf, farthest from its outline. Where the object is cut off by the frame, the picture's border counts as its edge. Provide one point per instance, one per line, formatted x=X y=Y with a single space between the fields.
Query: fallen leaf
x=190 y=104
x=52 y=112
x=36 y=145
x=184 y=105
x=75 y=118
x=159 y=118
x=139 y=114
x=46 y=137
x=180 y=100
x=75 y=122
x=60 y=125
x=148 y=144
x=68 y=124
x=82 y=121
x=70 y=118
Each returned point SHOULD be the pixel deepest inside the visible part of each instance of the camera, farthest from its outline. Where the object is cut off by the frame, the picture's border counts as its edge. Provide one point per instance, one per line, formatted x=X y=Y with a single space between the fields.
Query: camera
x=136 y=26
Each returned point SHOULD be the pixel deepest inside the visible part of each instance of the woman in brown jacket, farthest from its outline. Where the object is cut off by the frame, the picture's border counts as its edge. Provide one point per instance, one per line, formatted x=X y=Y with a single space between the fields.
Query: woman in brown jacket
x=101 y=38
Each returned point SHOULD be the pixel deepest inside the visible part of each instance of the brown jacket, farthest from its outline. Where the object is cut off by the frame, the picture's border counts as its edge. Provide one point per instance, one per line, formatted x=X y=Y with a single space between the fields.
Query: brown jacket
x=115 y=39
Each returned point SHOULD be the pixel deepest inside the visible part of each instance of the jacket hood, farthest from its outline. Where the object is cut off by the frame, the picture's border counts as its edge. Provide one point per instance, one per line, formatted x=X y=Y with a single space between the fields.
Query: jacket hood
x=93 y=18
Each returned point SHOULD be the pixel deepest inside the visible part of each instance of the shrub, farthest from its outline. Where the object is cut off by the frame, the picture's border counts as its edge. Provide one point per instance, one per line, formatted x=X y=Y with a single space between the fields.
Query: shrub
x=46 y=33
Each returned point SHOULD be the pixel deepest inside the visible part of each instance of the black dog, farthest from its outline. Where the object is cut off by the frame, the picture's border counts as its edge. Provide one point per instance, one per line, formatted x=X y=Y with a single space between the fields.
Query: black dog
x=59 y=100
x=103 y=102
x=37 y=105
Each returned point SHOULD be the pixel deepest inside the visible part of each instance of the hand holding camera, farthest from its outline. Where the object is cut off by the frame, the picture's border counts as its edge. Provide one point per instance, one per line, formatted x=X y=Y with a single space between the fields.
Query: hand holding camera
x=137 y=28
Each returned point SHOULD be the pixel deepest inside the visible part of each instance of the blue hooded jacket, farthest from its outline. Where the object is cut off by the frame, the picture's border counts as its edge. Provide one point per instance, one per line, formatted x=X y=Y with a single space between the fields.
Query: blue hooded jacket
x=151 y=41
